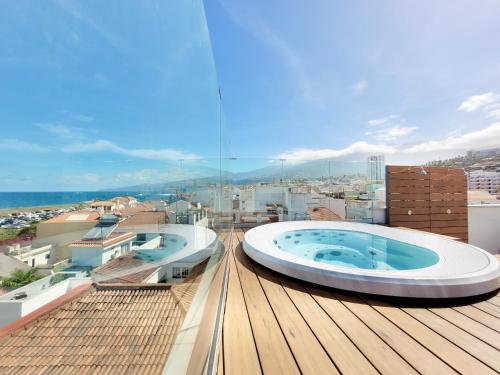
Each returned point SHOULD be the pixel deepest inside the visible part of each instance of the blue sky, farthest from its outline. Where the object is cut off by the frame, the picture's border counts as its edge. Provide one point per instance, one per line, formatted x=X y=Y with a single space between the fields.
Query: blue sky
x=416 y=80
x=95 y=96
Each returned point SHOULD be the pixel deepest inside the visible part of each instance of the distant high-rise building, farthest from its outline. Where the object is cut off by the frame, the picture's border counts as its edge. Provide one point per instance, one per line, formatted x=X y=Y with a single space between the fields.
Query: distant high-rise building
x=375 y=165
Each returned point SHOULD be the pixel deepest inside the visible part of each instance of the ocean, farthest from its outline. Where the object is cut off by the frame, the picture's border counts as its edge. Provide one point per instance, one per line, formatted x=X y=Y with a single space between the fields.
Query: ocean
x=32 y=199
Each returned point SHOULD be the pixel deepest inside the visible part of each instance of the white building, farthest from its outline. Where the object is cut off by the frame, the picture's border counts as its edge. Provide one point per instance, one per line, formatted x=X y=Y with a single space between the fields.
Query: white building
x=257 y=198
x=22 y=301
x=219 y=200
x=124 y=202
x=34 y=257
x=375 y=168
x=295 y=200
x=100 y=245
x=485 y=180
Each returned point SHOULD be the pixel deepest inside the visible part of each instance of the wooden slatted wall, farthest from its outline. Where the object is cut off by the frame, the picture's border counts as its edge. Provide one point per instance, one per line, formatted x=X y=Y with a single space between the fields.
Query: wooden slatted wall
x=434 y=202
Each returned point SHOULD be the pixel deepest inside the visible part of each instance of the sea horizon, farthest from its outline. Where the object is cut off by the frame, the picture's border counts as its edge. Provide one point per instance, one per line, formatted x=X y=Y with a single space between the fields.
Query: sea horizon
x=25 y=199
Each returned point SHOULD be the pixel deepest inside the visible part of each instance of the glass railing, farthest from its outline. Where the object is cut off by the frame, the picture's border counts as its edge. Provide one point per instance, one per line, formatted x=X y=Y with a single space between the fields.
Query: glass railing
x=116 y=145
x=270 y=190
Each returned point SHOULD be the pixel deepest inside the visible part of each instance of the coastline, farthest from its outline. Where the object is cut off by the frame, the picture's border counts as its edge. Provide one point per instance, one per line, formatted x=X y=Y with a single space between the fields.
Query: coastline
x=7 y=211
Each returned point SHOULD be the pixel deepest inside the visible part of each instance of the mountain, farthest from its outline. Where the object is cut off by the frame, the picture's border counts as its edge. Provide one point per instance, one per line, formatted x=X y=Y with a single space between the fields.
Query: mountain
x=305 y=170
x=484 y=159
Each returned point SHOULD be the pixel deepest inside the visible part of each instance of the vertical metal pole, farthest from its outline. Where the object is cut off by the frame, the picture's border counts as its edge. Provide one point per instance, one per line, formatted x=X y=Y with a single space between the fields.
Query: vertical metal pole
x=220 y=152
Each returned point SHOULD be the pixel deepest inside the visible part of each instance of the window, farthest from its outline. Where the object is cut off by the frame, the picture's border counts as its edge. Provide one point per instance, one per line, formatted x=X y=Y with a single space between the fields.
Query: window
x=141 y=237
x=47 y=256
x=33 y=262
x=180 y=272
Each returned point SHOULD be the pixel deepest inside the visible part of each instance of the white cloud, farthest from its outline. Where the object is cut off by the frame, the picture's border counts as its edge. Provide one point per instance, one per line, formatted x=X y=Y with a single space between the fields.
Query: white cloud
x=452 y=144
x=360 y=87
x=479 y=139
x=60 y=130
x=474 y=102
x=107 y=146
x=18 y=145
x=355 y=148
x=382 y=121
x=392 y=133
x=495 y=113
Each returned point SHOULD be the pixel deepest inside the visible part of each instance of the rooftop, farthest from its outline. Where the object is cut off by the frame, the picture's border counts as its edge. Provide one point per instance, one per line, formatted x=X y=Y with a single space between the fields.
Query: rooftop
x=102 y=204
x=75 y=216
x=126 y=262
x=323 y=213
x=107 y=329
x=111 y=239
x=274 y=324
x=144 y=217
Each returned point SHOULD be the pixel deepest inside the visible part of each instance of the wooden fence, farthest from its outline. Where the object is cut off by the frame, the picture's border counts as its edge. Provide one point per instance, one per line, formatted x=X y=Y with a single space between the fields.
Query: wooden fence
x=432 y=199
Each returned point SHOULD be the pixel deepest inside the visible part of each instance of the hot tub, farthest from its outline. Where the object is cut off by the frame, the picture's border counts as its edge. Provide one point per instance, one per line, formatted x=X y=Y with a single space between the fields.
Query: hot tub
x=373 y=259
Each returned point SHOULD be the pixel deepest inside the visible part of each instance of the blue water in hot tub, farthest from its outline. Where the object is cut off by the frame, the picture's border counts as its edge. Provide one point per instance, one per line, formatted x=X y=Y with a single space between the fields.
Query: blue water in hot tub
x=172 y=244
x=355 y=249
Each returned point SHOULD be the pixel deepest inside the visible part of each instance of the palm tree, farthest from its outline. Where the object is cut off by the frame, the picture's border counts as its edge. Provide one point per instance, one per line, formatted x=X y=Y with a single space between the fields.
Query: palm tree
x=19 y=278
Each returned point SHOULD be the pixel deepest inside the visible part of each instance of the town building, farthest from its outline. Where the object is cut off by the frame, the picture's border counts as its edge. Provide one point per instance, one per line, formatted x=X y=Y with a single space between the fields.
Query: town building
x=101 y=244
x=484 y=180
x=375 y=169
x=105 y=206
x=32 y=255
x=62 y=230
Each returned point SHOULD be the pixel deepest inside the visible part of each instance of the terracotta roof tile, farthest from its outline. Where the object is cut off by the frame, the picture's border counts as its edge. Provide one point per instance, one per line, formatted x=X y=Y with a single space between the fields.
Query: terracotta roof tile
x=145 y=217
x=323 y=213
x=114 y=329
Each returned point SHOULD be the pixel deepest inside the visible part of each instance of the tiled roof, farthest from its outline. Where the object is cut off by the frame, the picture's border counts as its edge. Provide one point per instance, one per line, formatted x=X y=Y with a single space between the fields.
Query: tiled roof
x=113 y=238
x=102 y=204
x=117 y=329
x=145 y=217
x=186 y=290
x=323 y=213
x=118 y=265
x=139 y=207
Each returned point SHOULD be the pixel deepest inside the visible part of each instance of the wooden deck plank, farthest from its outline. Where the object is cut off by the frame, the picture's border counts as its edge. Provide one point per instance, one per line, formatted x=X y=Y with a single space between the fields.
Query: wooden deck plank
x=469 y=325
x=446 y=350
x=480 y=316
x=294 y=324
x=240 y=353
x=495 y=300
x=489 y=308
x=344 y=353
x=274 y=354
x=471 y=351
x=314 y=360
x=405 y=345
x=383 y=357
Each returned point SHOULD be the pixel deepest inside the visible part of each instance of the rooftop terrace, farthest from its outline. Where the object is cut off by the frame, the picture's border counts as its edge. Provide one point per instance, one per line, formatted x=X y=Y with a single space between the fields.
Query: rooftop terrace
x=277 y=325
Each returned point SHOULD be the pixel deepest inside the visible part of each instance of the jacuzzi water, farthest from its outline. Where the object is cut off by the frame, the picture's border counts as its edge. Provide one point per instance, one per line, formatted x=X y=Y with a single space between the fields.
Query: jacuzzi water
x=355 y=249
x=172 y=244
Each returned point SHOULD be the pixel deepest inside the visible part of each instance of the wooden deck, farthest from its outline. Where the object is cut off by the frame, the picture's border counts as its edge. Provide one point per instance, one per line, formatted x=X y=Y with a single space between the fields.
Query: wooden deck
x=276 y=325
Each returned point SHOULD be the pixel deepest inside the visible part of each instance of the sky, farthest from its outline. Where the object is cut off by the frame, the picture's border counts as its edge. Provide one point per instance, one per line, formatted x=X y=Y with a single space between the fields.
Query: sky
x=415 y=80
x=97 y=95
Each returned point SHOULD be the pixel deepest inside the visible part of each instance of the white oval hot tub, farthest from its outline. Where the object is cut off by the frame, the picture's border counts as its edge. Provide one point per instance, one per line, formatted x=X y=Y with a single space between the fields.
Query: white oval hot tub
x=373 y=259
